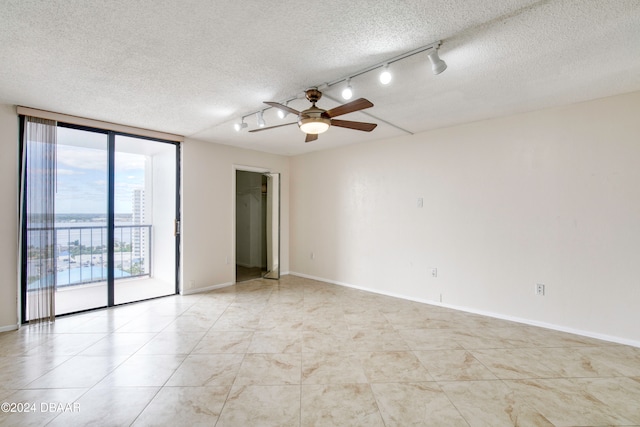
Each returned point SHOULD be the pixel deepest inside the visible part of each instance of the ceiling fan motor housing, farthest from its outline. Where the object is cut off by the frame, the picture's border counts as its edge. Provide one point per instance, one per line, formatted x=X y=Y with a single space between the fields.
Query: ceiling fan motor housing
x=313 y=121
x=313 y=95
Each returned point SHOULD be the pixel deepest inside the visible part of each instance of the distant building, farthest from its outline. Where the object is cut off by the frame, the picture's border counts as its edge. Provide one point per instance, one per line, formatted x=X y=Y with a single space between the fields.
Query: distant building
x=138 y=235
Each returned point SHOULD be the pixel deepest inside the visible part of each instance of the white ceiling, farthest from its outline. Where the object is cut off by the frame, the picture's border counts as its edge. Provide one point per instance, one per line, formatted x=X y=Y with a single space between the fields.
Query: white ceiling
x=194 y=67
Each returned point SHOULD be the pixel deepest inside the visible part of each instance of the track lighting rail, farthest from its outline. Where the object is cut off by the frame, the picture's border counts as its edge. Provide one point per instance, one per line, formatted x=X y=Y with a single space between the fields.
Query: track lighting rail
x=400 y=57
x=437 y=66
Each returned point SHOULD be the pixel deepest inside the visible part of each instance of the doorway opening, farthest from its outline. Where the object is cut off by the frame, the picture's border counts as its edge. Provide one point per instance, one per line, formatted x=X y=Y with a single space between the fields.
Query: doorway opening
x=257 y=225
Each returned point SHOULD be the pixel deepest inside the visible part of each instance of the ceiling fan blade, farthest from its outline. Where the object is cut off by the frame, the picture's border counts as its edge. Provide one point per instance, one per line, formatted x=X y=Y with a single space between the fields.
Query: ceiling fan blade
x=350 y=107
x=311 y=137
x=367 y=127
x=282 y=107
x=273 y=127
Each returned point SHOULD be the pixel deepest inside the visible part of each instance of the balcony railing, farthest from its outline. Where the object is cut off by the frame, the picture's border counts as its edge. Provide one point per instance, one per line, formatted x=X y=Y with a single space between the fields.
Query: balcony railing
x=80 y=254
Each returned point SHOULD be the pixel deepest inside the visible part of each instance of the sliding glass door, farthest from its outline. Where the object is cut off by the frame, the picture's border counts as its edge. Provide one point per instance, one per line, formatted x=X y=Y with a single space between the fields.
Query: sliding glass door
x=114 y=237
x=81 y=212
x=145 y=213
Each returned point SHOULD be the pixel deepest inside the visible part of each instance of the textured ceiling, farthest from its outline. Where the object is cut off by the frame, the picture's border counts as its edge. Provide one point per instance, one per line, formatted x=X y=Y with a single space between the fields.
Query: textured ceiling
x=194 y=67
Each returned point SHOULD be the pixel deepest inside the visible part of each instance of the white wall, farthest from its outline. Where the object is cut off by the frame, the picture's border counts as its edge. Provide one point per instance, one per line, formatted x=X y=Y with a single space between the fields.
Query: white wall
x=208 y=222
x=8 y=217
x=548 y=197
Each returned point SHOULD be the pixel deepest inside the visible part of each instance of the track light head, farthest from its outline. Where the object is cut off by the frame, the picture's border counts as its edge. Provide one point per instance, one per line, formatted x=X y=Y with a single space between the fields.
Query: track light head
x=282 y=113
x=347 y=92
x=239 y=126
x=437 y=64
x=260 y=118
x=385 y=76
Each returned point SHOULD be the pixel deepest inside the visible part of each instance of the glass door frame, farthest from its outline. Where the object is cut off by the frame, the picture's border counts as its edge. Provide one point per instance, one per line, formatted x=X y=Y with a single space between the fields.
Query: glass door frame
x=111 y=135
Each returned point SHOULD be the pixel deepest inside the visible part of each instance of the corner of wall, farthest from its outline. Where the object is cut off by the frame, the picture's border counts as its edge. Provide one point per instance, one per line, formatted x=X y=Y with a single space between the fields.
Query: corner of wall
x=9 y=217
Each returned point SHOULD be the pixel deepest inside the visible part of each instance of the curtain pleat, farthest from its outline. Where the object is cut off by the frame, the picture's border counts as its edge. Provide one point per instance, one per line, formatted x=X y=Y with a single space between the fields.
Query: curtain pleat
x=38 y=193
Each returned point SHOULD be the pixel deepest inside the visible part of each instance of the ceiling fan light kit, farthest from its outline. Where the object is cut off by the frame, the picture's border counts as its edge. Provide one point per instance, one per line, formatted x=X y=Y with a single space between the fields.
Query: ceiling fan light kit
x=315 y=120
x=314 y=125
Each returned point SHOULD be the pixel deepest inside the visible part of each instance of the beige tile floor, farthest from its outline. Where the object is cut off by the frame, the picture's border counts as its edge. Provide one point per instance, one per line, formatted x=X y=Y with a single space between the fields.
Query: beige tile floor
x=298 y=352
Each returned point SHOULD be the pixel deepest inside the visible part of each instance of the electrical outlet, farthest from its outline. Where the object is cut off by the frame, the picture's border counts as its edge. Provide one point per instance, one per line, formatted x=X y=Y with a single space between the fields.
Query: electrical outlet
x=434 y=272
x=420 y=202
x=540 y=289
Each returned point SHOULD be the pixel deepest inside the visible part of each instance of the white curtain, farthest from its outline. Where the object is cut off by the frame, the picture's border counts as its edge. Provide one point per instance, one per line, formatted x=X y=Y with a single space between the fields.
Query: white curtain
x=38 y=213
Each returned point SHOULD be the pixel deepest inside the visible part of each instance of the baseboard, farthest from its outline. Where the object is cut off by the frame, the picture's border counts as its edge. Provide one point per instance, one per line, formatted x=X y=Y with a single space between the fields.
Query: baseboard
x=213 y=287
x=8 y=328
x=205 y=289
x=604 y=337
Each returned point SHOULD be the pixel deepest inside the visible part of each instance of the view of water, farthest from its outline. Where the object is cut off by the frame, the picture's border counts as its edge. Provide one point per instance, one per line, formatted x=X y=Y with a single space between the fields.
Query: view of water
x=75 y=276
x=81 y=250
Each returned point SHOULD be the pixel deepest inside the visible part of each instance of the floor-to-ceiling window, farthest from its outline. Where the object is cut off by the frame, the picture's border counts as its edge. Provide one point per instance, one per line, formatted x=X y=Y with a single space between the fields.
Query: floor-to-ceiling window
x=145 y=208
x=116 y=212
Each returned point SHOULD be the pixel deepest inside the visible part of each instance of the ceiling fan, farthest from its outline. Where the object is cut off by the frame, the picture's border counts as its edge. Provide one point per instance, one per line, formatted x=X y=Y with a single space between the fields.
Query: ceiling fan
x=314 y=120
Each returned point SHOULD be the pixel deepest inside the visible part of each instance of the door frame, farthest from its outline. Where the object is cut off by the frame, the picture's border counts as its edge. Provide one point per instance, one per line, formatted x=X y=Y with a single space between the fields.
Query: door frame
x=111 y=134
x=244 y=168
x=272 y=180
